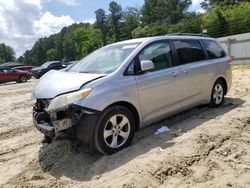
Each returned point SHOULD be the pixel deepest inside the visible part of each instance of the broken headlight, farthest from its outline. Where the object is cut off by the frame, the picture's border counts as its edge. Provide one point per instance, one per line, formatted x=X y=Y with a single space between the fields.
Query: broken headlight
x=62 y=101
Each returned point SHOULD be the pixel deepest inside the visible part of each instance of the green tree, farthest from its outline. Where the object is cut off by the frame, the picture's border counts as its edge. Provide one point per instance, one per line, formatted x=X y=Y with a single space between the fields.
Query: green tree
x=190 y=24
x=7 y=53
x=101 y=24
x=150 y=30
x=131 y=17
x=238 y=19
x=52 y=54
x=115 y=20
x=215 y=23
x=164 y=11
x=87 y=40
x=39 y=52
x=209 y=4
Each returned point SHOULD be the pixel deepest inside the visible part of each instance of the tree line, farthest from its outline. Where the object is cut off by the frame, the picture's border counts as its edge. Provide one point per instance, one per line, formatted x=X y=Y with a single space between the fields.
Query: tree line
x=7 y=53
x=155 y=17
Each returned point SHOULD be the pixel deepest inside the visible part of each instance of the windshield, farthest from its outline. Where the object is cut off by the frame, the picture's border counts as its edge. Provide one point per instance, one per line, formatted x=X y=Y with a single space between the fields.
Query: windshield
x=45 y=65
x=105 y=60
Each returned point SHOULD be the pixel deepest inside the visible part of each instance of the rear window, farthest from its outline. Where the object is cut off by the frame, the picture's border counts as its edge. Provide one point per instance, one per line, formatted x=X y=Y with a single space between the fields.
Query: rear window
x=189 y=51
x=214 y=50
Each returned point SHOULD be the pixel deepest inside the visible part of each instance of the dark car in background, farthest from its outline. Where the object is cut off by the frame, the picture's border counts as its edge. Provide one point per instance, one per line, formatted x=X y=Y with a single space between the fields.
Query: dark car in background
x=24 y=68
x=46 y=67
x=69 y=63
x=9 y=75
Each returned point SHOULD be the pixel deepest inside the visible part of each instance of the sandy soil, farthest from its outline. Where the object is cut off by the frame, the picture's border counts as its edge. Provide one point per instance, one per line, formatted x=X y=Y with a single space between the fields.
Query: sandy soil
x=205 y=148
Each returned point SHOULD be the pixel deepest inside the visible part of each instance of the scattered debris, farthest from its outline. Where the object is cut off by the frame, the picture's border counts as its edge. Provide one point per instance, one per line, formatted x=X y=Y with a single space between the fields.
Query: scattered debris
x=162 y=130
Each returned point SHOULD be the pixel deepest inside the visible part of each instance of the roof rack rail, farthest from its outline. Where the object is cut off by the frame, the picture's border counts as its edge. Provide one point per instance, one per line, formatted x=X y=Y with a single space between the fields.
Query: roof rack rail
x=188 y=34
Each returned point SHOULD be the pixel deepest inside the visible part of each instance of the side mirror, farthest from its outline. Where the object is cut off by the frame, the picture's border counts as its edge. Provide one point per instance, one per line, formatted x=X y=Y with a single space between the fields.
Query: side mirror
x=147 y=65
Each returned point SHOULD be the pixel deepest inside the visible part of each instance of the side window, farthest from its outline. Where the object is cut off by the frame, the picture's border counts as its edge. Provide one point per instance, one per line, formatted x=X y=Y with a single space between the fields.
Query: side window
x=131 y=68
x=5 y=70
x=189 y=51
x=159 y=53
x=52 y=65
x=213 y=49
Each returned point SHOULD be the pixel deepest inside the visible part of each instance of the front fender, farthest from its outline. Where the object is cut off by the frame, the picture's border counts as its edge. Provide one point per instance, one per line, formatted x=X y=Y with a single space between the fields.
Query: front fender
x=123 y=89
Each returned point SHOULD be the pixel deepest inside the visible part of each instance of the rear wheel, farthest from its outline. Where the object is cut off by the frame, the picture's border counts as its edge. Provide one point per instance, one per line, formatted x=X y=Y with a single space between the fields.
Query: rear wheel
x=22 y=79
x=115 y=130
x=218 y=93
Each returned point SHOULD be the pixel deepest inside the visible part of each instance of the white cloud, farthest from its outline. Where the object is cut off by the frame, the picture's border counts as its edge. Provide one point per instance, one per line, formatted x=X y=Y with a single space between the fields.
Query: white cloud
x=196 y=6
x=49 y=24
x=23 y=22
x=68 y=2
x=196 y=2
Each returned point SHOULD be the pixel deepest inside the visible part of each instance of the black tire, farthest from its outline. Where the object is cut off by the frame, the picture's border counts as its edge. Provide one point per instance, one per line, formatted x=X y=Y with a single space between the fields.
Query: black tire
x=22 y=79
x=47 y=139
x=219 y=90
x=119 y=113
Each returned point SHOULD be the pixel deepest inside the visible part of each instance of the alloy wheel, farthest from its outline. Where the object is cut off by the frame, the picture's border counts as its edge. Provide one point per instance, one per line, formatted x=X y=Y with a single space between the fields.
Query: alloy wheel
x=218 y=94
x=116 y=131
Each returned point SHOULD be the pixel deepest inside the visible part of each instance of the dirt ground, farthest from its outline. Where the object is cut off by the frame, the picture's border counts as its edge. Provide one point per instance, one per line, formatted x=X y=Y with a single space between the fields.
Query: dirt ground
x=206 y=147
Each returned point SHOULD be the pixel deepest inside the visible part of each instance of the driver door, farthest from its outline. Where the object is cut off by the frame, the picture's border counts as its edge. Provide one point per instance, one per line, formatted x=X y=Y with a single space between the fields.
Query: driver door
x=5 y=74
x=13 y=76
x=160 y=90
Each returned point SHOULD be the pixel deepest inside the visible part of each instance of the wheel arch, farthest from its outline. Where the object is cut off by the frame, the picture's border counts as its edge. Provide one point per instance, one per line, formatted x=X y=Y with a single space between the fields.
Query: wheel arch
x=131 y=108
x=22 y=75
x=224 y=81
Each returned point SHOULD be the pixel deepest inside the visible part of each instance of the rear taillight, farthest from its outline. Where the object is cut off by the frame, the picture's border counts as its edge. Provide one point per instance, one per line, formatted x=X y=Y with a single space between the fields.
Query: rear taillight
x=230 y=61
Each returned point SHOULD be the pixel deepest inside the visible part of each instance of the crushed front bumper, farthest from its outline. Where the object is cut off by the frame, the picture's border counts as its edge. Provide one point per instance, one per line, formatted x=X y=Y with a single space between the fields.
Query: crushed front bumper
x=43 y=126
x=48 y=127
x=77 y=122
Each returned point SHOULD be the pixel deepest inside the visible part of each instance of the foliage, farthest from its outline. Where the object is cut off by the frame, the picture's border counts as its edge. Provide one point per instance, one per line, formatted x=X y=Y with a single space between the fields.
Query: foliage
x=223 y=22
x=164 y=11
x=115 y=21
x=131 y=17
x=52 y=54
x=190 y=24
x=101 y=24
x=156 y=17
x=87 y=40
x=224 y=4
x=7 y=53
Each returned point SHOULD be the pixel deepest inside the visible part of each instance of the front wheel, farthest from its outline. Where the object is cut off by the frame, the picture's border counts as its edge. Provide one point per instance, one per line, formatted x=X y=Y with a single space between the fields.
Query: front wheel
x=218 y=93
x=22 y=79
x=37 y=76
x=115 y=130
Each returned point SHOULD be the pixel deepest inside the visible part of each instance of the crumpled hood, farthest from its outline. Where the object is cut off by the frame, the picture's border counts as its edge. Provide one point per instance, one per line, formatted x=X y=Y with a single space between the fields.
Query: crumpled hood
x=54 y=83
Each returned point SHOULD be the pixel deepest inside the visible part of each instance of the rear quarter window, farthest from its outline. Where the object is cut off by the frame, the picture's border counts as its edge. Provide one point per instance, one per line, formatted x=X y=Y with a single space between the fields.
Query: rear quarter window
x=214 y=50
x=189 y=50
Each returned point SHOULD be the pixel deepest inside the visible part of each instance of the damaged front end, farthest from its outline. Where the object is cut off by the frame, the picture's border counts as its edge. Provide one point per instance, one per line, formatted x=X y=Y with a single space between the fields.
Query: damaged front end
x=56 y=113
x=71 y=121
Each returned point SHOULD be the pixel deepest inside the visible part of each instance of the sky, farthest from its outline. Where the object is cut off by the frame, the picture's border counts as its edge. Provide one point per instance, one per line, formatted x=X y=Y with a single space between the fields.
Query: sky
x=22 y=22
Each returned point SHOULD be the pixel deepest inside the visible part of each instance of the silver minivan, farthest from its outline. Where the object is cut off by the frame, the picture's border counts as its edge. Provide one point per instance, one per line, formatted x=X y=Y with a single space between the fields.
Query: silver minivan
x=114 y=91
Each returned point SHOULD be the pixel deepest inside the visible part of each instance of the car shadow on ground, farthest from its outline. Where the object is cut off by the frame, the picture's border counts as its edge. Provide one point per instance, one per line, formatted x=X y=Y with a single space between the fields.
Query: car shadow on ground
x=8 y=83
x=12 y=83
x=62 y=158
